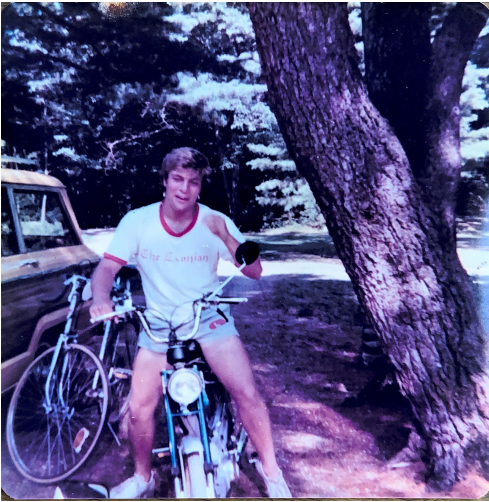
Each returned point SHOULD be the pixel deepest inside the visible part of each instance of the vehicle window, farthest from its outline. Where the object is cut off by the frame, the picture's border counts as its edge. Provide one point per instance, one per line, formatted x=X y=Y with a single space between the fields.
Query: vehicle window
x=43 y=221
x=10 y=245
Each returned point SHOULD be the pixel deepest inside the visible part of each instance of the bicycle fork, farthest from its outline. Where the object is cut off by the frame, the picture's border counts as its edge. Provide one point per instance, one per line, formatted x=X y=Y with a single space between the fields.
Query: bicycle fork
x=73 y=299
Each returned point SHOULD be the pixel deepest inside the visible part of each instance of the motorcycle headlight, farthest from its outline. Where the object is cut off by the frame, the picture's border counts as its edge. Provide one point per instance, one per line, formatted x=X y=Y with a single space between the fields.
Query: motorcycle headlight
x=185 y=386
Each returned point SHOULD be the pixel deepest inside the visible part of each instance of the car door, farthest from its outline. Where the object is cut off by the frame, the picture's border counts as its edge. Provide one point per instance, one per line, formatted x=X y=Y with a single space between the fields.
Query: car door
x=41 y=246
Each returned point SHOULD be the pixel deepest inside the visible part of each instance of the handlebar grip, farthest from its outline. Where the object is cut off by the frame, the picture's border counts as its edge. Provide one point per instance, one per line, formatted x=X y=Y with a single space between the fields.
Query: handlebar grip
x=104 y=317
x=228 y=300
x=111 y=315
x=247 y=252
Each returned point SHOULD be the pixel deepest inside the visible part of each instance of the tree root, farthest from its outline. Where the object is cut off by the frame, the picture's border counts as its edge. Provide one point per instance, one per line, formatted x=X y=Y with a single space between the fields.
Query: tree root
x=414 y=451
x=378 y=390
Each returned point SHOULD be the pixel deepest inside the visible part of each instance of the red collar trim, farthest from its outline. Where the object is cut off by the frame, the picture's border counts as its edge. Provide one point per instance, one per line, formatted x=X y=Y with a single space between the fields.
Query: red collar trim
x=170 y=231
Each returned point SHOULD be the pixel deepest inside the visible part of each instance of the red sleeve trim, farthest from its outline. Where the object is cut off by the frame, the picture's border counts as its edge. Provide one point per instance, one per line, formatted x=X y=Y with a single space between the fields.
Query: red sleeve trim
x=114 y=258
x=170 y=231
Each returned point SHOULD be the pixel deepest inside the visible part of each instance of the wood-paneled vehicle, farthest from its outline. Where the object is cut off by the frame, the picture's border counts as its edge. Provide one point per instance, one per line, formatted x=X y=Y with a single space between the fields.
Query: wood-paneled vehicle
x=41 y=247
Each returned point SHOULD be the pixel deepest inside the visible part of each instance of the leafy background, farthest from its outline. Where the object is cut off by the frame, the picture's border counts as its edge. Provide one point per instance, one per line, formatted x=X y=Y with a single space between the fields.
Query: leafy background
x=98 y=93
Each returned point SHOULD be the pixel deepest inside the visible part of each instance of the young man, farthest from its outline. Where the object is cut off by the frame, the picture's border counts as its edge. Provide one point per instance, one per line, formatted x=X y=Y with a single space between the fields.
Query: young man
x=177 y=244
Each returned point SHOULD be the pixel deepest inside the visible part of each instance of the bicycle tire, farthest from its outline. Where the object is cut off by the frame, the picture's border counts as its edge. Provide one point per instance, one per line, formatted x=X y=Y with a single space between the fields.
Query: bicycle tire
x=48 y=446
x=119 y=360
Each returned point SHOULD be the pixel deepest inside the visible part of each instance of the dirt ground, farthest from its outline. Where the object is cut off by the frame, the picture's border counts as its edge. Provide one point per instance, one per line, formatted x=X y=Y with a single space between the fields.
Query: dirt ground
x=302 y=331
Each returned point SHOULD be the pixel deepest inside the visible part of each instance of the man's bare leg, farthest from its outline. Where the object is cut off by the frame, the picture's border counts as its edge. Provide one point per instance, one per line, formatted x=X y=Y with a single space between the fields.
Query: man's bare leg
x=146 y=391
x=228 y=359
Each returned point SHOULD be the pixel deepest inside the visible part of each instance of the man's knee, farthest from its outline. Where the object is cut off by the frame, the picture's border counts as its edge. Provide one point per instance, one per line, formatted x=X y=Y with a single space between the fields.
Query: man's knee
x=142 y=408
x=247 y=394
x=146 y=385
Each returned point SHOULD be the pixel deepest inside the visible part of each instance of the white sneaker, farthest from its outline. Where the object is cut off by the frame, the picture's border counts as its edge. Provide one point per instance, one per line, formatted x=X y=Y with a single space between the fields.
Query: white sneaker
x=134 y=488
x=276 y=487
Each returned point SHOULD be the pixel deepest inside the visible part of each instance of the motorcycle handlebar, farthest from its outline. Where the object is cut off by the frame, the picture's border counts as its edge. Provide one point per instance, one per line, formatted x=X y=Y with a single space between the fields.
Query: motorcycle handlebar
x=122 y=310
x=226 y=300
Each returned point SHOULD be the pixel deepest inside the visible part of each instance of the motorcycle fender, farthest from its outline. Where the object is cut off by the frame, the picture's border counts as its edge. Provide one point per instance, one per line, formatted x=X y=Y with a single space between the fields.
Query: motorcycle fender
x=191 y=444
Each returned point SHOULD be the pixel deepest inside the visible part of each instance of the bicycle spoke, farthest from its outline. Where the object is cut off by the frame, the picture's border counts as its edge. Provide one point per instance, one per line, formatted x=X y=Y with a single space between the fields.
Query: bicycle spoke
x=70 y=441
x=49 y=448
x=80 y=388
x=45 y=440
x=52 y=445
x=61 y=456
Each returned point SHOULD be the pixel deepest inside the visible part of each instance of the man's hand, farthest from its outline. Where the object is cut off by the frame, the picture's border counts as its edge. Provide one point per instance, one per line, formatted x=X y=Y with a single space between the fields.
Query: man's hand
x=103 y=308
x=102 y=281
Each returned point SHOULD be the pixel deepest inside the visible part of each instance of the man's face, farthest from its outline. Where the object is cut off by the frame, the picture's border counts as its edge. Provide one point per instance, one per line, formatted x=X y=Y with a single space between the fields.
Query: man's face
x=183 y=188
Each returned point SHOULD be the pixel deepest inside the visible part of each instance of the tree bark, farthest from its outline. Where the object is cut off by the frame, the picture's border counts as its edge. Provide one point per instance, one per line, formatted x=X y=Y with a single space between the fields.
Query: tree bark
x=416 y=86
x=419 y=303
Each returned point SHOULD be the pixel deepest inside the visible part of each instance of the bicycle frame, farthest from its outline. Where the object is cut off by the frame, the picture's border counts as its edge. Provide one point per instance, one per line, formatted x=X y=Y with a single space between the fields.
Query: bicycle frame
x=77 y=281
x=60 y=404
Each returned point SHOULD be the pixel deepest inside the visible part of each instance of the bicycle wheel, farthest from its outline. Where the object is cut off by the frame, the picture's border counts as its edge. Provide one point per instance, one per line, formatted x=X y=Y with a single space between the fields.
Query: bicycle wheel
x=49 y=443
x=119 y=359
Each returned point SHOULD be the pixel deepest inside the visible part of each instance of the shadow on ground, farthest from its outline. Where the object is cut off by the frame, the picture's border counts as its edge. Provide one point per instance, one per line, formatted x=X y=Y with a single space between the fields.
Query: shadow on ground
x=302 y=335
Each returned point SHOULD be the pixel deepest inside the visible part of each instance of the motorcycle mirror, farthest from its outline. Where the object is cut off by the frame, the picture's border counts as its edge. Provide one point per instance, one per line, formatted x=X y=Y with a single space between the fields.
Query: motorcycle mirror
x=247 y=252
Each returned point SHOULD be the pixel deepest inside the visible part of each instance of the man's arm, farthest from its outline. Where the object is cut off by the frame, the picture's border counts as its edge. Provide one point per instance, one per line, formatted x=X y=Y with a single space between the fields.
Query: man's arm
x=102 y=282
x=218 y=227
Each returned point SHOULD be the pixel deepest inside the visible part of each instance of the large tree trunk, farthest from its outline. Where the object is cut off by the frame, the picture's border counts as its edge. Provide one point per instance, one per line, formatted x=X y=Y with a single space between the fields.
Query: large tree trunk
x=418 y=302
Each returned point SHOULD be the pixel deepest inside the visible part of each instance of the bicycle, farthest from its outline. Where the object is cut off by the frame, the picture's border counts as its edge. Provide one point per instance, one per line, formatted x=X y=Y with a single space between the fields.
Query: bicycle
x=61 y=402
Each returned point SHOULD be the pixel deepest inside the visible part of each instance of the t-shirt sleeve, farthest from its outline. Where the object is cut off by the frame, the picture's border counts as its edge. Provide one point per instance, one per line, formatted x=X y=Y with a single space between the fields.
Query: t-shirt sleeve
x=234 y=231
x=123 y=247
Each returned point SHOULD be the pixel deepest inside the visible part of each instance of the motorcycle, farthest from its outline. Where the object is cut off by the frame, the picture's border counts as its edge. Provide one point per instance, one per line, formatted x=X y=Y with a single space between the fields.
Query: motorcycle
x=205 y=441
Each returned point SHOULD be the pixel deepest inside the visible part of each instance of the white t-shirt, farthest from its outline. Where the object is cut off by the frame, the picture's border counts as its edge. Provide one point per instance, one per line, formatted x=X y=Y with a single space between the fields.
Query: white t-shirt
x=176 y=269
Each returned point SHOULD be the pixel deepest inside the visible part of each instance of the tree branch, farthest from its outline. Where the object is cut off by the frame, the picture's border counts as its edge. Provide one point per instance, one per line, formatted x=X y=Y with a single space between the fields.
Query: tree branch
x=112 y=158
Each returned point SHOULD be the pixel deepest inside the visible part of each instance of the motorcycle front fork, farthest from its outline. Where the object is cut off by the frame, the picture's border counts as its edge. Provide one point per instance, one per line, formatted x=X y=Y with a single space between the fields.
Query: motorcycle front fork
x=197 y=440
x=172 y=417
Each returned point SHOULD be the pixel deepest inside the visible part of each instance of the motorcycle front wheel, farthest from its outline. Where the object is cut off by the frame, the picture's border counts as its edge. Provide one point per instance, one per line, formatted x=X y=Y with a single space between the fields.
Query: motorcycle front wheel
x=195 y=477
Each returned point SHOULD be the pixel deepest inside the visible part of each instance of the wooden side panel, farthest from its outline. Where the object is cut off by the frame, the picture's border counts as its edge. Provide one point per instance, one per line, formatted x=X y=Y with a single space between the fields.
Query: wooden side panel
x=30 y=284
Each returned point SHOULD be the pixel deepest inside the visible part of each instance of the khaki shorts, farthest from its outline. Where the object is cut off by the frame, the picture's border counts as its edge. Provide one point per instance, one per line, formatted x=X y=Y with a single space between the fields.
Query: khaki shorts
x=211 y=328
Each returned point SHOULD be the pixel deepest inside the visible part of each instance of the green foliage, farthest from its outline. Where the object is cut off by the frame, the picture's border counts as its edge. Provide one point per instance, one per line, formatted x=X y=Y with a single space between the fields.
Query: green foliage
x=473 y=190
x=103 y=94
x=286 y=195
x=73 y=88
